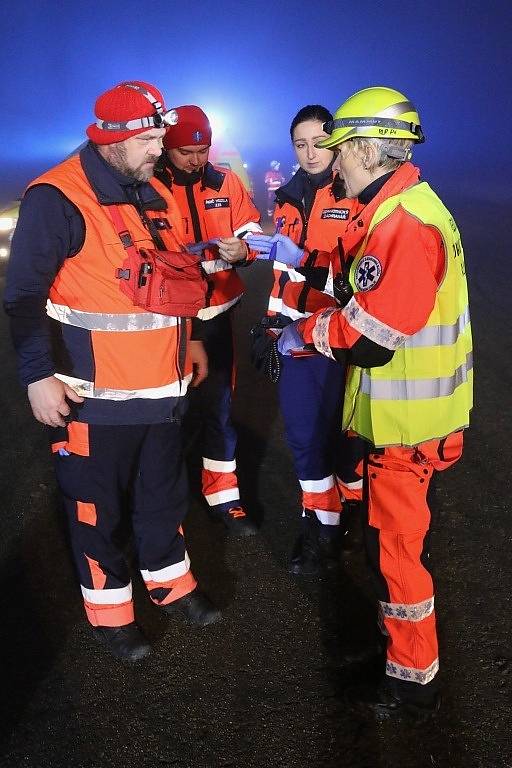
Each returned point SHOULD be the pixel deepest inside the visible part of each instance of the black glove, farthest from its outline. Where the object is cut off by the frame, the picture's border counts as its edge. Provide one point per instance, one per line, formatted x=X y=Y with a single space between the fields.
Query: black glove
x=264 y=355
x=342 y=289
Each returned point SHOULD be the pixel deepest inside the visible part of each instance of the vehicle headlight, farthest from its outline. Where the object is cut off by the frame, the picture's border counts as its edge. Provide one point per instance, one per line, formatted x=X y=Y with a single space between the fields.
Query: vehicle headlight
x=7 y=223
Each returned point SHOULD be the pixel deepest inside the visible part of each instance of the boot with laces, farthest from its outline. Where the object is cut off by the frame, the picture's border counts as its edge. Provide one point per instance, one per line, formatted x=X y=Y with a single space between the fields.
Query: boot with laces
x=237 y=523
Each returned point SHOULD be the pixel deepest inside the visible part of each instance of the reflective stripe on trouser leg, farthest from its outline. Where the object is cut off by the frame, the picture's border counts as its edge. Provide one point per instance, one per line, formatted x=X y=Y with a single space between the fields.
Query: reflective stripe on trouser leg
x=160 y=502
x=399 y=519
x=219 y=483
x=218 y=439
x=323 y=498
x=140 y=461
x=93 y=465
x=310 y=397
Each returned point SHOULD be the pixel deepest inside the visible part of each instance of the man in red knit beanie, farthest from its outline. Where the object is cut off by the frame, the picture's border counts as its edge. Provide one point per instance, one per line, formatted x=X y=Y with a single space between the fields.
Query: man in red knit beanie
x=217 y=214
x=106 y=374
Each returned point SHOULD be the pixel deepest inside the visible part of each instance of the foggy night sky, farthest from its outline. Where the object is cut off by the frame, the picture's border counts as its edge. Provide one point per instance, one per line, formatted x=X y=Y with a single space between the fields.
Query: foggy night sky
x=256 y=64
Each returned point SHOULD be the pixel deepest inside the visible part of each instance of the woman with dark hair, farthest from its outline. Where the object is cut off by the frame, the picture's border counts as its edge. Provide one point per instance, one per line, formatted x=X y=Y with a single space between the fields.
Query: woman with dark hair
x=313 y=211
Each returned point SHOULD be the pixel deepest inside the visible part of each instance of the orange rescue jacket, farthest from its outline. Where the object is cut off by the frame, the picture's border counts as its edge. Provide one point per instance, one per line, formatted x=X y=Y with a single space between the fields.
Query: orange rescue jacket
x=328 y=218
x=216 y=205
x=136 y=354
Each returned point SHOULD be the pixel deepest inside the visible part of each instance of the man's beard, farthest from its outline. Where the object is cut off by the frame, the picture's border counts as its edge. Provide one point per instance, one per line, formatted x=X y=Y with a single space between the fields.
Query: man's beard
x=117 y=158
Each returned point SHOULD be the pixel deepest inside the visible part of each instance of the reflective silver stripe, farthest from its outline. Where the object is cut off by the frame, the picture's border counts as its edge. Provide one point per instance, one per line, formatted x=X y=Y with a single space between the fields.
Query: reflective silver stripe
x=397 y=109
x=213 y=465
x=355 y=485
x=293 y=313
x=294 y=277
x=421 y=676
x=86 y=388
x=215 y=265
x=216 y=309
x=320 y=333
x=251 y=226
x=326 y=518
x=369 y=326
x=169 y=572
x=107 y=596
x=275 y=304
x=408 y=611
x=317 y=486
x=101 y=321
x=416 y=389
x=221 y=497
x=439 y=335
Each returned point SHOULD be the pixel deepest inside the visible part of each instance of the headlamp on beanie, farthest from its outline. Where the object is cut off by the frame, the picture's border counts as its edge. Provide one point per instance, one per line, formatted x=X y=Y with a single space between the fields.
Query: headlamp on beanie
x=128 y=109
x=161 y=118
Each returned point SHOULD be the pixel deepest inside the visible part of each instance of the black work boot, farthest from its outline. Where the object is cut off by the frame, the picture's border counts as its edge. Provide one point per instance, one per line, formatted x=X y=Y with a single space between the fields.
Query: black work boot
x=385 y=701
x=195 y=607
x=126 y=642
x=317 y=548
x=237 y=522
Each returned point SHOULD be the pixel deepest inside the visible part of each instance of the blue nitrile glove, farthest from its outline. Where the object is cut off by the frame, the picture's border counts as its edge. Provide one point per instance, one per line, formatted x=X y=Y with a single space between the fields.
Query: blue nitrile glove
x=276 y=247
x=290 y=339
x=199 y=247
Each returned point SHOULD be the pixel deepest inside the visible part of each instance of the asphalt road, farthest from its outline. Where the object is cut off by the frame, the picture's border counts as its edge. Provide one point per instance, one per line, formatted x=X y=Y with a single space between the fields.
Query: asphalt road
x=263 y=687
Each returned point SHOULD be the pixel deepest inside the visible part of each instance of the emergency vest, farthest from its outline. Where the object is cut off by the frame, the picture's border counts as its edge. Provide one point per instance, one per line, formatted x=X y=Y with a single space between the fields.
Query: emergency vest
x=327 y=221
x=135 y=354
x=425 y=391
x=222 y=209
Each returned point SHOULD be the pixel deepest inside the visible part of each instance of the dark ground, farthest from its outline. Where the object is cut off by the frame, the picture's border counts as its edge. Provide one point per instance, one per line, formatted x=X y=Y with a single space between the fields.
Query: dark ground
x=262 y=688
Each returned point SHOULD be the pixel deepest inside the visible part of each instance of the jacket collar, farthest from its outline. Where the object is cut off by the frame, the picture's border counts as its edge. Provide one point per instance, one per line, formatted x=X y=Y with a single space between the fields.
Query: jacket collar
x=112 y=187
x=210 y=177
x=294 y=190
x=404 y=177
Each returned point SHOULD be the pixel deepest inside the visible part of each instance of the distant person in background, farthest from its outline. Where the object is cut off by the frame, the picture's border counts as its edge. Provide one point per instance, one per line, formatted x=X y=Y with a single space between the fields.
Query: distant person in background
x=273 y=180
x=312 y=211
x=214 y=206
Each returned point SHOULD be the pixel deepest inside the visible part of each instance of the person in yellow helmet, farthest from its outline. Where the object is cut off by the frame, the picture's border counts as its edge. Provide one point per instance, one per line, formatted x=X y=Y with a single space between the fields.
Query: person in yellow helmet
x=403 y=326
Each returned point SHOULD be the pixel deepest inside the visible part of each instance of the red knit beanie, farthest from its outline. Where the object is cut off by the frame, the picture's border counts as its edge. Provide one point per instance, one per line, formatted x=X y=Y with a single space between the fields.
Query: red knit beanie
x=192 y=128
x=116 y=107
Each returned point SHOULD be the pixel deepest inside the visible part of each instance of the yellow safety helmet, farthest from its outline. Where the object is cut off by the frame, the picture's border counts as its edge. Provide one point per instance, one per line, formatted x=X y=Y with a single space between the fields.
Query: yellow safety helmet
x=378 y=112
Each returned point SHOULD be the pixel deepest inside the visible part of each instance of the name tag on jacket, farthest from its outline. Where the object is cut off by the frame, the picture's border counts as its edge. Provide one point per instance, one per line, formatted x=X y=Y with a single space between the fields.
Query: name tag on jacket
x=341 y=214
x=216 y=202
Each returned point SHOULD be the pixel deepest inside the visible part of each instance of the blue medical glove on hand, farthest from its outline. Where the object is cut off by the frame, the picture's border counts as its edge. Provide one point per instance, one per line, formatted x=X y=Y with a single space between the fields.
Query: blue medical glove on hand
x=289 y=339
x=199 y=247
x=276 y=248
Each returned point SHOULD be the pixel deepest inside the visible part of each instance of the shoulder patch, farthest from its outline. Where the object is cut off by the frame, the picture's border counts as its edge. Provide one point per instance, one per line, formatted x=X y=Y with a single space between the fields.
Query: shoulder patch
x=368 y=273
x=341 y=214
x=216 y=202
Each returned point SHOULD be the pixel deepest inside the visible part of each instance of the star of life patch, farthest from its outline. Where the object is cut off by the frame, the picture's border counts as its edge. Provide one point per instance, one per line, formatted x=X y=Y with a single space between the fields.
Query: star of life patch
x=368 y=273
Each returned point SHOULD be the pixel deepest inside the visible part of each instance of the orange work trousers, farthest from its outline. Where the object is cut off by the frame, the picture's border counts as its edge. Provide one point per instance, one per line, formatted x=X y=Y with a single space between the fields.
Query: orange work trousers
x=396 y=484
